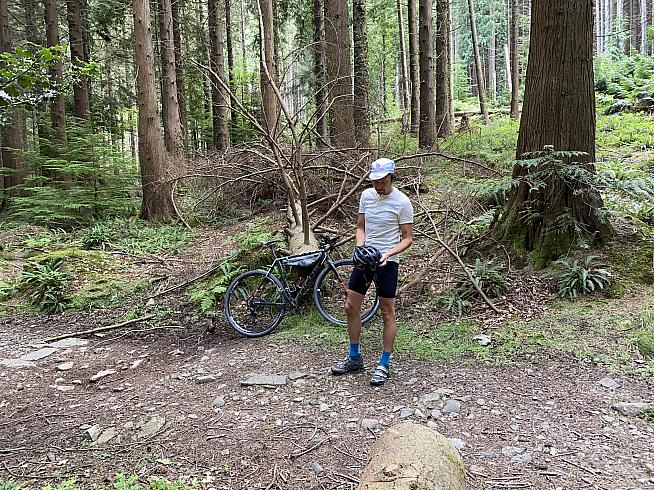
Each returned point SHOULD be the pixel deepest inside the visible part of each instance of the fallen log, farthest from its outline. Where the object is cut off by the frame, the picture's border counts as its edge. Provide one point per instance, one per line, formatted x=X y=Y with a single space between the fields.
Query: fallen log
x=409 y=456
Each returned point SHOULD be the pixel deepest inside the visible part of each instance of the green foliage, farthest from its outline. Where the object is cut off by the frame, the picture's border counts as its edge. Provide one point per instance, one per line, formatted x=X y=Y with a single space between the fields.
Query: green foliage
x=205 y=294
x=251 y=238
x=629 y=80
x=618 y=131
x=120 y=482
x=47 y=284
x=645 y=338
x=7 y=290
x=105 y=291
x=136 y=236
x=581 y=278
x=453 y=303
x=25 y=79
x=87 y=179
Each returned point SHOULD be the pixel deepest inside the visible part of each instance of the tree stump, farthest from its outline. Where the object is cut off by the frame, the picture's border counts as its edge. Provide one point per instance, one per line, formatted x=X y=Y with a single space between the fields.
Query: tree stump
x=409 y=456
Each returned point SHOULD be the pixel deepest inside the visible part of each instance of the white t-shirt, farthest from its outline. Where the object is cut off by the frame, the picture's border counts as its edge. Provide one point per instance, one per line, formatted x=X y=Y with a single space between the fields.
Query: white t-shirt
x=383 y=217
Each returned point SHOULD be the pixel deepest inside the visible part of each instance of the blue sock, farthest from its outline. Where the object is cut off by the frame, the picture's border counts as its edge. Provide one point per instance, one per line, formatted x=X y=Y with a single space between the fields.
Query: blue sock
x=385 y=359
x=354 y=351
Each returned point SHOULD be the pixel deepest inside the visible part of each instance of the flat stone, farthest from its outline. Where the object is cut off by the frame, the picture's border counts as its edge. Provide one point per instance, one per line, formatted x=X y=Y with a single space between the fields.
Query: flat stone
x=297 y=375
x=65 y=366
x=205 y=379
x=218 y=402
x=482 y=339
x=433 y=425
x=137 y=363
x=106 y=435
x=64 y=388
x=431 y=400
x=16 y=363
x=102 y=374
x=151 y=427
x=609 y=383
x=317 y=469
x=451 y=407
x=406 y=413
x=371 y=424
x=38 y=354
x=323 y=407
x=511 y=451
x=92 y=433
x=265 y=380
x=631 y=409
x=68 y=342
x=456 y=442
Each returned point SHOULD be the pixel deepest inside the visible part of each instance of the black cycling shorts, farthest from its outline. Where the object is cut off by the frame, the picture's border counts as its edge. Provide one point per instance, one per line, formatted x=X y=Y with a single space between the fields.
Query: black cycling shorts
x=385 y=279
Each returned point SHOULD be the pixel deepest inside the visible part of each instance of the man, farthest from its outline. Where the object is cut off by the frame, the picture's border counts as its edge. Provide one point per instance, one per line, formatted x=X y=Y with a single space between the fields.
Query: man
x=384 y=223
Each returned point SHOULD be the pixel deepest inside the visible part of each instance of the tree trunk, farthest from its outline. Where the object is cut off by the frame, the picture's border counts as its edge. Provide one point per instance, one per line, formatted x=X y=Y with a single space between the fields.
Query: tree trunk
x=11 y=138
x=643 y=26
x=414 y=65
x=634 y=23
x=157 y=203
x=267 y=70
x=58 y=105
x=179 y=72
x=626 y=24
x=78 y=52
x=361 y=115
x=559 y=110
x=230 y=61
x=492 y=59
x=319 y=72
x=172 y=124
x=339 y=78
x=515 y=59
x=405 y=91
x=443 y=102
x=481 y=90
x=427 y=132
x=218 y=95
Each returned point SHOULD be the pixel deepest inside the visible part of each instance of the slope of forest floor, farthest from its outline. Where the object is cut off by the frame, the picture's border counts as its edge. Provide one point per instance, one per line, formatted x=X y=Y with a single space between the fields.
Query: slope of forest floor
x=534 y=404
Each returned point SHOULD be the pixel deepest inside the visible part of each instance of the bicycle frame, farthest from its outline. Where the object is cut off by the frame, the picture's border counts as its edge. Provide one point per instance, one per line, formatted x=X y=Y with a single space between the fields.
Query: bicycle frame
x=278 y=265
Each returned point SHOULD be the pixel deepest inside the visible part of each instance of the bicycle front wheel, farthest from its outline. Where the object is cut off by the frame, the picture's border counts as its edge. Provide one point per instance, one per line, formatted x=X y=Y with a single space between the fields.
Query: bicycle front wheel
x=330 y=294
x=254 y=304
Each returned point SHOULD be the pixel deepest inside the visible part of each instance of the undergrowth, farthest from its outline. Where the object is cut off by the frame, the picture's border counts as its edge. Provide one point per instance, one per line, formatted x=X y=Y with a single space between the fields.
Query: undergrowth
x=120 y=482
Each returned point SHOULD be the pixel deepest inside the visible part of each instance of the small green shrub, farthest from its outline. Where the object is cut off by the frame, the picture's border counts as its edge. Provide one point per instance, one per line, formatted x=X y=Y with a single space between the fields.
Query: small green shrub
x=488 y=278
x=645 y=338
x=96 y=237
x=7 y=290
x=453 y=303
x=251 y=238
x=205 y=295
x=47 y=285
x=581 y=278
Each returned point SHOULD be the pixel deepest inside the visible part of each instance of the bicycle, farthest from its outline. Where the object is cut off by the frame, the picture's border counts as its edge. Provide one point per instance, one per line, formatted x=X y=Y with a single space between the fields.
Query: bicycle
x=257 y=301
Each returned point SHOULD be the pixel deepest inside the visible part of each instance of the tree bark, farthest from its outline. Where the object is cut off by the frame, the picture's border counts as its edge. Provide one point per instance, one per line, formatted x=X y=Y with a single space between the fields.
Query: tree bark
x=217 y=63
x=319 y=72
x=339 y=78
x=492 y=60
x=634 y=22
x=11 y=138
x=267 y=53
x=157 y=203
x=626 y=12
x=515 y=59
x=58 y=105
x=78 y=54
x=405 y=90
x=443 y=67
x=179 y=72
x=558 y=110
x=230 y=62
x=414 y=65
x=172 y=123
x=481 y=90
x=427 y=131
x=361 y=115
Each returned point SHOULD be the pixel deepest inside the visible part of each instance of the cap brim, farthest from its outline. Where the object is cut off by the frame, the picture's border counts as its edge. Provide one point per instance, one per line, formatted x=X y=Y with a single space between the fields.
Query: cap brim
x=378 y=175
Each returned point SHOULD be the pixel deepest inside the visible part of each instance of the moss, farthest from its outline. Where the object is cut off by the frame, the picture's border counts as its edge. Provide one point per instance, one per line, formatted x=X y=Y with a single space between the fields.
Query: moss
x=616 y=290
x=634 y=262
x=106 y=291
x=645 y=343
x=82 y=263
x=456 y=461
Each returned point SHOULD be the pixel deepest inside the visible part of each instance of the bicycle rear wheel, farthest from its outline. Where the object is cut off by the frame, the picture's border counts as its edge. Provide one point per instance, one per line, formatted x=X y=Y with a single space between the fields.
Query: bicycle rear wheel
x=330 y=294
x=254 y=304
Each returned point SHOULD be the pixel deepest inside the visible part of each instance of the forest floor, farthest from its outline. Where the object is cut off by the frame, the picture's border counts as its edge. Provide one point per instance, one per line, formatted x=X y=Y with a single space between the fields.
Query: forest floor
x=172 y=403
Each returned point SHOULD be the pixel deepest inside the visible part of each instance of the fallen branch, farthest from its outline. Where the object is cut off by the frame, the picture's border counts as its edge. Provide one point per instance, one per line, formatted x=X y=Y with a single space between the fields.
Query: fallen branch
x=457 y=257
x=449 y=157
x=420 y=274
x=194 y=279
x=100 y=329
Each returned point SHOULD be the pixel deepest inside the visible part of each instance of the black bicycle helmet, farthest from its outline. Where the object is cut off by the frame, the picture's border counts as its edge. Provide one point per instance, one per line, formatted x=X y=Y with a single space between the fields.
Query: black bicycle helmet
x=366 y=257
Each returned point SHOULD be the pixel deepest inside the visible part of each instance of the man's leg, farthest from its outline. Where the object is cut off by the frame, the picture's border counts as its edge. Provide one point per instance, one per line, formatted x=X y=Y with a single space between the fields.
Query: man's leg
x=390 y=322
x=353 y=361
x=387 y=287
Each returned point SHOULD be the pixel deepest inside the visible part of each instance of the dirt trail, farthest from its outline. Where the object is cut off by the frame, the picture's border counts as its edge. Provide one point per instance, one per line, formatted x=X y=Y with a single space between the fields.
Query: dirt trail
x=539 y=423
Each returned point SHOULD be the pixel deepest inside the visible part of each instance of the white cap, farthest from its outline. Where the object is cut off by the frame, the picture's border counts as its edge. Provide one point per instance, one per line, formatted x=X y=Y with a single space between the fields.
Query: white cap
x=381 y=167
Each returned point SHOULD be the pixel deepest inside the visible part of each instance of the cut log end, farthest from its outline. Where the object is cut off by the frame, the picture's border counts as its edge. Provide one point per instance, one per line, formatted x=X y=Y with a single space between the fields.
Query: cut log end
x=409 y=456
